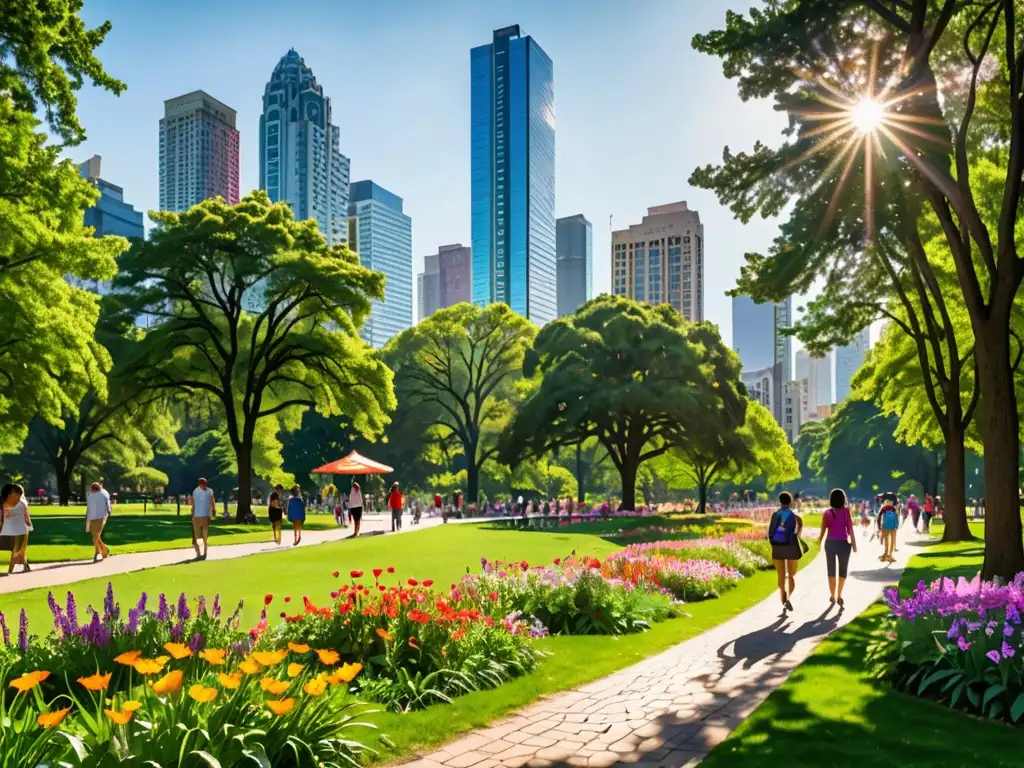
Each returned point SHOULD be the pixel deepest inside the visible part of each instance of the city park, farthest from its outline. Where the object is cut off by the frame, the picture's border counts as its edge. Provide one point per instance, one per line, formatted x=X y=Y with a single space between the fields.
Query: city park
x=622 y=634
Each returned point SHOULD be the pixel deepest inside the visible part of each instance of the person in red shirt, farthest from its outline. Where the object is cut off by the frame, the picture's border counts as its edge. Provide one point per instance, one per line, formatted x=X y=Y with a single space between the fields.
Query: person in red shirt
x=396 y=504
x=437 y=504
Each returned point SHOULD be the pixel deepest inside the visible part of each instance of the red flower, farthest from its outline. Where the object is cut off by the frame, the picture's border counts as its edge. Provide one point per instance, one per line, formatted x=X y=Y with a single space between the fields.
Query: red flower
x=391 y=569
x=525 y=565
x=419 y=616
x=335 y=574
x=382 y=588
x=428 y=582
x=493 y=595
x=283 y=614
x=489 y=621
x=413 y=643
x=268 y=599
x=356 y=574
x=287 y=599
x=558 y=561
x=413 y=582
x=334 y=595
x=377 y=572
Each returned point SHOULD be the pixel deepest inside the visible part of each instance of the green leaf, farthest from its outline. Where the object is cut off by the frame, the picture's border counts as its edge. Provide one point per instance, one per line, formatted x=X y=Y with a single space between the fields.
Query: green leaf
x=1018 y=708
x=935 y=677
x=974 y=697
x=996 y=710
x=206 y=757
x=991 y=693
x=957 y=692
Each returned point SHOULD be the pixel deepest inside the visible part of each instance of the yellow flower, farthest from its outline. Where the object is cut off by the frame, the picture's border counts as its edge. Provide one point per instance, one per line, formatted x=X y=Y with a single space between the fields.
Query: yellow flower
x=281 y=707
x=250 y=667
x=169 y=683
x=316 y=686
x=276 y=687
x=95 y=682
x=52 y=719
x=128 y=658
x=213 y=656
x=28 y=681
x=177 y=650
x=230 y=681
x=121 y=718
x=269 y=658
x=329 y=658
x=151 y=666
x=202 y=694
x=131 y=705
x=348 y=672
x=294 y=670
x=298 y=647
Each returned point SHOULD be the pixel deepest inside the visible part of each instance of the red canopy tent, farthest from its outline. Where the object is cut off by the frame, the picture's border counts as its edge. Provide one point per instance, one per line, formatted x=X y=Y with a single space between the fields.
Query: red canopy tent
x=353 y=464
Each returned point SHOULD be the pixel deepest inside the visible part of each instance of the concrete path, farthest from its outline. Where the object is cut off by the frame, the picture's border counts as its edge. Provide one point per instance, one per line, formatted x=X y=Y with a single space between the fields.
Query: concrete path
x=672 y=709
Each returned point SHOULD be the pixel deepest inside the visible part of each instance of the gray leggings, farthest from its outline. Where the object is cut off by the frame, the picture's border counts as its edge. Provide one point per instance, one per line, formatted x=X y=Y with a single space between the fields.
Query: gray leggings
x=836 y=550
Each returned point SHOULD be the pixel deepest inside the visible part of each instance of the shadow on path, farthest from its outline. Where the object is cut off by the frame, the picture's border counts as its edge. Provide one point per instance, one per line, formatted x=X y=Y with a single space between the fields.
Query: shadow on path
x=774 y=640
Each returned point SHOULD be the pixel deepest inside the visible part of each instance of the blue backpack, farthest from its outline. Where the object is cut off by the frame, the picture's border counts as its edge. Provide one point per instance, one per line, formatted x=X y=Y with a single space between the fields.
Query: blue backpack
x=890 y=519
x=785 y=528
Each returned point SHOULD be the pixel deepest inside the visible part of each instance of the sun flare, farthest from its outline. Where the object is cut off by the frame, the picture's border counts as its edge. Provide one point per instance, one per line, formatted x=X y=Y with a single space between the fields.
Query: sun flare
x=867 y=115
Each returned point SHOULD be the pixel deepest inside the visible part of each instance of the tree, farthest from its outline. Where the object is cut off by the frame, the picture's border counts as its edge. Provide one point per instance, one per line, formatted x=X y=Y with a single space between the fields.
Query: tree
x=638 y=378
x=940 y=112
x=812 y=435
x=462 y=364
x=256 y=312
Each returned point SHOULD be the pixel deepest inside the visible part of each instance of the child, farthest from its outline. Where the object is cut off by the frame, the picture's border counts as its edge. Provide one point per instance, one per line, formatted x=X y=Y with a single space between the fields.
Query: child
x=339 y=515
x=888 y=523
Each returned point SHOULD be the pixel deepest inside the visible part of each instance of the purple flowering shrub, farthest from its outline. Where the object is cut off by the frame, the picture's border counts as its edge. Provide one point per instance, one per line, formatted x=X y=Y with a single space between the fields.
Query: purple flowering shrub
x=960 y=643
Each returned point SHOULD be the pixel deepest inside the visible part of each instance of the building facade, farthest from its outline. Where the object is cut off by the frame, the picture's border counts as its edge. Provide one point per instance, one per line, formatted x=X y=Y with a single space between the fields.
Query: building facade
x=574 y=247
x=111 y=215
x=428 y=287
x=446 y=280
x=661 y=260
x=849 y=359
x=753 y=333
x=199 y=152
x=300 y=156
x=384 y=243
x=512 y=177
x=817 y=371
x=760 y=386
x=784 y=343
x=791 y=409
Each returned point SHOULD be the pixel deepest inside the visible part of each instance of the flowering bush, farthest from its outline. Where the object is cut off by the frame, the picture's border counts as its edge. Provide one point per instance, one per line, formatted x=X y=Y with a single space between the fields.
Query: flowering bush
x=688 y=580
x=732 y=551
x=961 y=644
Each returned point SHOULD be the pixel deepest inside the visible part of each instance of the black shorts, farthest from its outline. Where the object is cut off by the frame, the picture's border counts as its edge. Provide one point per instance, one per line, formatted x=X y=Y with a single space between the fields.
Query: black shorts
x=275 y=515
x=356 y=513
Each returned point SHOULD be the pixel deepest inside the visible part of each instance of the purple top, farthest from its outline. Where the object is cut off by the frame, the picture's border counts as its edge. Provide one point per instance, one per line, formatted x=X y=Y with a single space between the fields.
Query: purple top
x=838 y=523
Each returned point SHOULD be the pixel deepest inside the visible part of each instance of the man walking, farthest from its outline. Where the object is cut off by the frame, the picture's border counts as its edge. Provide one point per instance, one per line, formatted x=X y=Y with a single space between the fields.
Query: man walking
x=396 y=503
x=97 y=509
x=202 y=507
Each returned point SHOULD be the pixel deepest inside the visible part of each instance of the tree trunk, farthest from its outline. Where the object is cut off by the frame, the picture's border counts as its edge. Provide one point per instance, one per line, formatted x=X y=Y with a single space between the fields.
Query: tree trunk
x=702 y=496
x=472 y=482
x=581 y=494
x=243 y=455
x=628 y=475
x=64 y=477
x=956 y=528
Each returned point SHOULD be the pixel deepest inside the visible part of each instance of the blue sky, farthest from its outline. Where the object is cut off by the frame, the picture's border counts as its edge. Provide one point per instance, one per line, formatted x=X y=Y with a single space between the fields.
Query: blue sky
x=636 y=108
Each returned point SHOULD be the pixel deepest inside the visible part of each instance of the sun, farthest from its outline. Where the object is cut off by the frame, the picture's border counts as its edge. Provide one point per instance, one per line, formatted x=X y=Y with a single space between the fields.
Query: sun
x=867 y=115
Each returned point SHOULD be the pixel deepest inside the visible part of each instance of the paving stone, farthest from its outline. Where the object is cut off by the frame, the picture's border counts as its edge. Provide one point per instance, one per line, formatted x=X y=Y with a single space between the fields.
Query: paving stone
x=540 y=741
x=603 y=760
x=496 y=746
x=467 y=759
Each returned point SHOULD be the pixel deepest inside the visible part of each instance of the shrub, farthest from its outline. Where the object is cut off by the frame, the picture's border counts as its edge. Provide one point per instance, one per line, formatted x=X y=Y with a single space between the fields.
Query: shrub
x=688 y=580
x=730 y=551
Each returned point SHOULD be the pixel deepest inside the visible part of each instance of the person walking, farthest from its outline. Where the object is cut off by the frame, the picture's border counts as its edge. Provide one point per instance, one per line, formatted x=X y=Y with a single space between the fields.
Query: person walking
x=16 y=525
x=888 y=524
x=203 y=506
x=784 y=530
x=275 y=511
x=837 y=524
x=355 y=509
x=97 y=510
x=913 y=509
x=296 y=514
x=395 y=504
x=927 y=513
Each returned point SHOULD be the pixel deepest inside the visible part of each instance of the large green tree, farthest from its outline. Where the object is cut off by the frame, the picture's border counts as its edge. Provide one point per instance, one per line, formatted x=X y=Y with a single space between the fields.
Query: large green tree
x=460 y=367
x=256 y=312
x=638 y=378
x=948 y=79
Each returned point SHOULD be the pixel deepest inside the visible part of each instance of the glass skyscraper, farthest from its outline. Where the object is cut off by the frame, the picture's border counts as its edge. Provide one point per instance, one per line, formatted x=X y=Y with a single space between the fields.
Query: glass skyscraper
x=574 y=245
x=383 y=240
x=512 y=127
x=300 y=156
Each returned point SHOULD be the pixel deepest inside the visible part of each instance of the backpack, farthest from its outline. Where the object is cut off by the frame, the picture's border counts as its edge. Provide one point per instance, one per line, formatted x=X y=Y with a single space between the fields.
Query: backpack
x=783 y=531
x=890 y=519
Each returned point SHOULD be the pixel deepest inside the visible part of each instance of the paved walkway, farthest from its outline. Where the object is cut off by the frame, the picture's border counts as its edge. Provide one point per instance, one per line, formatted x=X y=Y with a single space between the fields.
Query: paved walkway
x=672 y=709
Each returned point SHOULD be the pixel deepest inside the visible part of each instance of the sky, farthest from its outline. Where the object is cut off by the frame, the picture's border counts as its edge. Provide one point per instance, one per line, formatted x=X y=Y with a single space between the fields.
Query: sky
x=636 y=108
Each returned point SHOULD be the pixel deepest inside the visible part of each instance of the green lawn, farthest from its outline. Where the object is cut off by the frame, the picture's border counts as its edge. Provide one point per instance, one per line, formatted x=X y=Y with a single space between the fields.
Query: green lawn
x=832 y=712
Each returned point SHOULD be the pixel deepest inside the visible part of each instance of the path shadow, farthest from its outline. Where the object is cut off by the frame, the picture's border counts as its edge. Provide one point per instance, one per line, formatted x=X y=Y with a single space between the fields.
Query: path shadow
x=775 y=640
x=878 y=575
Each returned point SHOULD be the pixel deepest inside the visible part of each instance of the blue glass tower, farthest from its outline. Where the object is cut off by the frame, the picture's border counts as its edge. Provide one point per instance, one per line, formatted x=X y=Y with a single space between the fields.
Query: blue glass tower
x=512 y=114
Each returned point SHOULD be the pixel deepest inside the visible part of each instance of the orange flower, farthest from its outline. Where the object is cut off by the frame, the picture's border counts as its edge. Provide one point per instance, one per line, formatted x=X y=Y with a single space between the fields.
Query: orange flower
x=298 y=647
x=202 y=694
x=316 y=686
x=169 y=683
x=381 y=633
x=294 y=670
x=276 y=687
x=269 y=658
x=128 y=658
x=131 y=705
x=95 y=682
x=213 y=656
x=413 y=643
x=29 y=680
x=151 y=666
x=330 y=658
x=282 y=706
x=52 y=719
x=250 y=667
x=121 y=718
x=177 y=650
x=348 y=672
x=230 y=681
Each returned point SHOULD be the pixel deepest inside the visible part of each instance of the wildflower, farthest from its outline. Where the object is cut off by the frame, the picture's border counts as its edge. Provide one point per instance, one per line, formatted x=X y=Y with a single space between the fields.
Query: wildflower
x=316 y=686
x=493 y=596
x=3 y=628
x=128 y=658
x=377 y=572
x=202 y=694
x=183 y=612
x=213 y=656
x=963 y=644
x=131 y=705
x=335 y=574
x=250 y=667
x=418 y=616
x=391 y=569
x=282 y=706
x=294 y=670
x=356 y=574
x=524 y=565
x=384 y=635
x=268 y=599
x=151 y=666
x=1007 y=630
x=95 y=682
x=52 y=719
x=230 y=680
x=169 y=683
x=348 y=672
x=994 y=656
x=1007 y=650
x=269 y=658
x=288 y=598
x=413 y=643
x=177 y=650
x=413 y=583
x=120 y=718
x=23 y=632
x=276 y=687
x=298 y=647
x=330 y=658
x=428 y=583
x=163 y=612
x=28 y=681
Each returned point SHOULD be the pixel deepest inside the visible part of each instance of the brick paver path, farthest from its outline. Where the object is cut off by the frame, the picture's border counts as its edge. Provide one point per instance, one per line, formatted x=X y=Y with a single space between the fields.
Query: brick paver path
x=672 y=709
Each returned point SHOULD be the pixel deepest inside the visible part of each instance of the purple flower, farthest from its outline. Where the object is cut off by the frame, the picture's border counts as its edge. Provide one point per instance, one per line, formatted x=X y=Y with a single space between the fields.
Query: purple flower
x=994 y=656
x=4 y=629
x=1007 y=650
x=197 y=643
x=990 y=628
x=59 y=622
x=177 y=631
x=201 y=606
x=235 y=618
x=133 y=621
x=108 y=601
x=72 y=612
x=1007 y=630
x=23 y=632
x=1012 y=614
x=163 y=612
x=141 y=607
x=962 y=643
x=183 y=612
x=954 y=629
x=216 y=606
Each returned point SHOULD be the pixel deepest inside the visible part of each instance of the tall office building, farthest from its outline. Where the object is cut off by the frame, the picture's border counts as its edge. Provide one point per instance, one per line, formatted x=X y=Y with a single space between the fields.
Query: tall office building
x=753 y=333
x=512 y=183
x=198 y=152
x=447 y=279
x=574 y=246
x=300 y=156
x=817 y=371
x=784 y=343
x=428 y=287
x=384 y=242
x=661 y=259
x=848 y=359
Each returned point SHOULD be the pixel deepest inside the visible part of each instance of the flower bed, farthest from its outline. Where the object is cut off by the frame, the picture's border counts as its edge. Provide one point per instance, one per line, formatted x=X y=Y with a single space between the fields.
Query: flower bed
x=735 y=551
x=960 y=643
x=688 y=580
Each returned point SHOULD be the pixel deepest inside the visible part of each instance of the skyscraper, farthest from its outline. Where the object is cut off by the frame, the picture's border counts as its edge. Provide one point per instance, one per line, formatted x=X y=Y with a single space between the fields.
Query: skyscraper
x=428 y=287
x=111 y=215
x=512 y=180
x=384 y=241
x=300 y=156
x=784 y=343
x=818 y=373
x=661 y=259
x=753 y=333
x=848 y=359
x=574 y=247
x=446 y=280
x=198 y=152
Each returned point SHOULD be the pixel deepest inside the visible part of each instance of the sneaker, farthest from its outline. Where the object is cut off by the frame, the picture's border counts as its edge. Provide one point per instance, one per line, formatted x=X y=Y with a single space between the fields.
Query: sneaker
x=789 y=605
x=841 y=603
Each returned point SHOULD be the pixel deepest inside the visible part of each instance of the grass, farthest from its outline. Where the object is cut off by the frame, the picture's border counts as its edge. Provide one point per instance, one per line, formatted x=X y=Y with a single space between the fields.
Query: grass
x=831 y=711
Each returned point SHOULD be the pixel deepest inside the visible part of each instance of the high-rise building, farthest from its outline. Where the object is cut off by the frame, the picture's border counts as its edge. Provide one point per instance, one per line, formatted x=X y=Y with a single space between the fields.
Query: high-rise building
x=791 y=409
x=300 y=156
x=661 y=259
x=384 y=242
x=760 y=386
x=198 y=152
x=574 y=246
x=784 y=343
x=753 y=333
x=428 y=287
x=446 y=280
x=848 y=359
x=818 y=373
x=512 y=184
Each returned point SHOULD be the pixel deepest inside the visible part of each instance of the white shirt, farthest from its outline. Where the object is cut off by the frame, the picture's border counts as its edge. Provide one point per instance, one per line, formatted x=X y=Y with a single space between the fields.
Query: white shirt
x=97 y=505
x=355 y=499
x=14 y=520
x=202 y=501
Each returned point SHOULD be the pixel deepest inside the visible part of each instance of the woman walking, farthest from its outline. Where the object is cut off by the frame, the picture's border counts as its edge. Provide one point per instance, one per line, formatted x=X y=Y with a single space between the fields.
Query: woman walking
x=97 y=510
x=355 y=508
x=296 y=513
x=784 y=530
x=395 y=504
x=837 y=524
x=275 y=511
x=16 y=524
